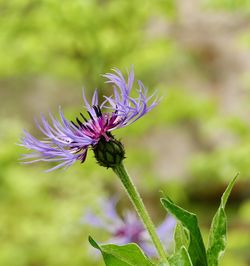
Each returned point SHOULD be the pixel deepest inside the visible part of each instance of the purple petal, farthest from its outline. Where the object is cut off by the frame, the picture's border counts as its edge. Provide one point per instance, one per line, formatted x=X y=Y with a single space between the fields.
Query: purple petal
x=131 y=109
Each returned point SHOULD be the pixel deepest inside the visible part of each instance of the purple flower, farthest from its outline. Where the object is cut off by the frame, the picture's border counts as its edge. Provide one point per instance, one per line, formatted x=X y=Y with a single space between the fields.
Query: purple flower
x=65 y=141
x=129 y=229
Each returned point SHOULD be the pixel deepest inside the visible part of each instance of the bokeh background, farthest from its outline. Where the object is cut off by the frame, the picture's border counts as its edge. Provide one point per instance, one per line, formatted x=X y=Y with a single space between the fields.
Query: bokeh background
x=195 y=53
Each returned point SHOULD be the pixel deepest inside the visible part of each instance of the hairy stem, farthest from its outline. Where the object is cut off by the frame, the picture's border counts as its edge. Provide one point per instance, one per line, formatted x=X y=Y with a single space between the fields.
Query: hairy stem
x=140 y=208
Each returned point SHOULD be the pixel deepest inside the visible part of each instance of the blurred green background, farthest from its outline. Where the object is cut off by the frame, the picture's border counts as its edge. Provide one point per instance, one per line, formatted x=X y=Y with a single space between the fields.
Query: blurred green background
x=196 y=53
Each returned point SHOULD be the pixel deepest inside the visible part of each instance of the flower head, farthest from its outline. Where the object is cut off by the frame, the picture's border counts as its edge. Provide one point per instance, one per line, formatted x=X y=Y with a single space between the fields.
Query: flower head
x=66 y=142
x=129 y=229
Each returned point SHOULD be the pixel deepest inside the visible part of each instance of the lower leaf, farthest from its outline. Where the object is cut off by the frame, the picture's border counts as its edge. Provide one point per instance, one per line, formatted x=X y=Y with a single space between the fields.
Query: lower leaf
x=127 y=255
x=180 y=258
x=196 y=247
x=218 y=231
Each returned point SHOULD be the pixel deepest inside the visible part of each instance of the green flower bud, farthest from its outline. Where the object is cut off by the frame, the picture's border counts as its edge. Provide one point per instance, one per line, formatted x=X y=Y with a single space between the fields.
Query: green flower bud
x=109 y=153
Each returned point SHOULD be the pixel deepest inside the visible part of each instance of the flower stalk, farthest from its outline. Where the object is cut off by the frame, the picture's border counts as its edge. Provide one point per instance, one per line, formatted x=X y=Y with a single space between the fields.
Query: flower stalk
x=136 y=199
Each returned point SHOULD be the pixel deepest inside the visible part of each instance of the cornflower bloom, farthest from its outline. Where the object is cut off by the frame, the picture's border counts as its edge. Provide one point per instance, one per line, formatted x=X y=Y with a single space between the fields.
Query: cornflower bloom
x=128 y=228
x=66 y=142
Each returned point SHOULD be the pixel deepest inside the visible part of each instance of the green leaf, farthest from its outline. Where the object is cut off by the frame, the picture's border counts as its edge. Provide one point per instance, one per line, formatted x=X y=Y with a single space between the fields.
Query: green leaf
x=181 y=237
x=181 y=258
x=127 y=255
x=218 y=231
x=196 y=247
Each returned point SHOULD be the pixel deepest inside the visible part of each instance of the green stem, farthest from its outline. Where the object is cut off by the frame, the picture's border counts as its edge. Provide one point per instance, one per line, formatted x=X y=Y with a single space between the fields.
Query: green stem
x=140 y=208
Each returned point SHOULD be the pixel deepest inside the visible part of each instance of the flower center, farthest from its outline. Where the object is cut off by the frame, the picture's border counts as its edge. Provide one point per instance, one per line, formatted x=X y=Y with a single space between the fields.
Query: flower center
x=98 y=125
